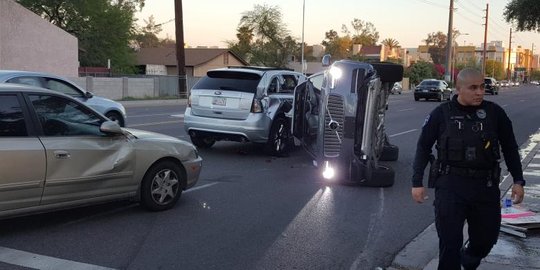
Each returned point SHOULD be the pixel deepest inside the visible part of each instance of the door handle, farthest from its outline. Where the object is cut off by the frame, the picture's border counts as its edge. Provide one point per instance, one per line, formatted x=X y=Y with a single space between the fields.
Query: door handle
x=61 y=154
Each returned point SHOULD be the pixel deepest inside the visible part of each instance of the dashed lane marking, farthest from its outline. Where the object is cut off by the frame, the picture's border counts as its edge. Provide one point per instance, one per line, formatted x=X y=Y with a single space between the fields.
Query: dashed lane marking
x=404 y=110
x=404 y=132
x=156 y=123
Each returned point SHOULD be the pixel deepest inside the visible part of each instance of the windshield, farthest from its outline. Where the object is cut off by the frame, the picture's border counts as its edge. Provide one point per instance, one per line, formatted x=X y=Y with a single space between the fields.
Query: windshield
x=429 y=83
x=229 y=80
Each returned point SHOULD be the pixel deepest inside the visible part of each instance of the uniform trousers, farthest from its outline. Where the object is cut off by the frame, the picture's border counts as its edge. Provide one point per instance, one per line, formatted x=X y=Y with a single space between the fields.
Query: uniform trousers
x=459 y=199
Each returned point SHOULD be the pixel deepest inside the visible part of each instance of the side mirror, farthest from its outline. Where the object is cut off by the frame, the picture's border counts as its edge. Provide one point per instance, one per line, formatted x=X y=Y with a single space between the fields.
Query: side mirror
x=88 y=95
x=110 y=127
x=326 y=60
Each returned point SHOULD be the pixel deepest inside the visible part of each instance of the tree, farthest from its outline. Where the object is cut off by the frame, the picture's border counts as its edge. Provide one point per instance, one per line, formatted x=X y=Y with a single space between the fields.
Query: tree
x=495 y=69
x=436 y=43
x=340 y=47
x=146 y=36
x=420 y=71
x=390 y=43
x=524 y=13
x=104 y=28
x=272 y=44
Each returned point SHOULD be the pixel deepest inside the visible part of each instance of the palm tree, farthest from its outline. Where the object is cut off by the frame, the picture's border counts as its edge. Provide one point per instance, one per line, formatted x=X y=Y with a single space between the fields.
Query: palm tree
x=390 y=44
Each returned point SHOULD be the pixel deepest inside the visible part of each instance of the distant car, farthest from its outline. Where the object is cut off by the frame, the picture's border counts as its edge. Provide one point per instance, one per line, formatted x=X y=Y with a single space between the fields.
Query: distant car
x=244 y=104
x=490 y=86
x=58 y=153
x=397 y=88
x=432 y=89
x=111 y=109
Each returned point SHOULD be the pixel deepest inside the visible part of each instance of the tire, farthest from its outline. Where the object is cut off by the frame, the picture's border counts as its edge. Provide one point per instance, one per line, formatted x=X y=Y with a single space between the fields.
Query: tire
x=440 y=98
x=202 y=141
x=378 y=177
x=116 y=117
x=162 y=186
x=390 y=152
x=279 y=139
x=416 y=99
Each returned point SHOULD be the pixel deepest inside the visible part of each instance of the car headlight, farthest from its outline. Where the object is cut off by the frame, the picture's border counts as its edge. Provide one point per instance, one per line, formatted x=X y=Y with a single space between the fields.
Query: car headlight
x=328 y=171
x=335 y=74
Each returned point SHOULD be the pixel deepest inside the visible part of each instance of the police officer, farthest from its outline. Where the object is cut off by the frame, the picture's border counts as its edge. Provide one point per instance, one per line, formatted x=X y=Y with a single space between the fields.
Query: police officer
x=469 y=132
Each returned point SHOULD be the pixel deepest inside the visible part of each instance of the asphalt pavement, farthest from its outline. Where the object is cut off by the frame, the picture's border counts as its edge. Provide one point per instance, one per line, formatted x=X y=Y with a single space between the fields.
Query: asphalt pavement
x=510 y=252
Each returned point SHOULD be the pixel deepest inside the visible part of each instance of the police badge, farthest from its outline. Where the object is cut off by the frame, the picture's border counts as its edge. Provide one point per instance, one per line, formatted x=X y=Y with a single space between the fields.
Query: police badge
x=481 y=113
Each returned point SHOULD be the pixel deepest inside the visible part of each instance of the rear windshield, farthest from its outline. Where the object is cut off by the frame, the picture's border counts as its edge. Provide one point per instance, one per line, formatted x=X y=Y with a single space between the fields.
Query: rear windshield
x=487 y=81
x=429 y=83
x=229 y=80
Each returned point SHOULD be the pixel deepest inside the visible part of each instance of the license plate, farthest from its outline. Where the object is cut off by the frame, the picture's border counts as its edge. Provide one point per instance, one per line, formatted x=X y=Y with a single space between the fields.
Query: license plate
x=425 y=90
x=219 y=101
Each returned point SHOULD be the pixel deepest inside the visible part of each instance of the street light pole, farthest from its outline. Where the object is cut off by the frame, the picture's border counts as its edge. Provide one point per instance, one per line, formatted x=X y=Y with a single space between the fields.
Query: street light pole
x=303 y=16
x=449 y=42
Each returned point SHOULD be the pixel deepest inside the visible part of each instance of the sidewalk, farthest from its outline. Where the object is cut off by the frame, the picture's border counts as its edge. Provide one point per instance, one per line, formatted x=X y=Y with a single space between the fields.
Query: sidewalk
x=510 y=252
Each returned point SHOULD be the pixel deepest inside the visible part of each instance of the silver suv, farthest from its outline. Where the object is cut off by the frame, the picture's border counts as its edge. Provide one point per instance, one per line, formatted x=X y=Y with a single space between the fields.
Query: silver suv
x=244 y=104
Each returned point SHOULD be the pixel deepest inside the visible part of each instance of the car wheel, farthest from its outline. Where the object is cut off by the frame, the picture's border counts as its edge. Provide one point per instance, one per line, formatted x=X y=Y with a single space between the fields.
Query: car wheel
x=202 y=141
x=416 y=99
x=161 y=186
x=380 y=176
x=116 y=117
x=279 y=139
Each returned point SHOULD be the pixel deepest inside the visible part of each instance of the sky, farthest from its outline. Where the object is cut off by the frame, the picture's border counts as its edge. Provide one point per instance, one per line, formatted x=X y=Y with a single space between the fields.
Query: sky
x=213 y=22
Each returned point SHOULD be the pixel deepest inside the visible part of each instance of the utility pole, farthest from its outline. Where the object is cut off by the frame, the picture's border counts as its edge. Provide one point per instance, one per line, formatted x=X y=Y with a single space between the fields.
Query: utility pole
x=509 y=54
x=303 y=16
x=449 y=42
x=180 y=53
x=485 y=42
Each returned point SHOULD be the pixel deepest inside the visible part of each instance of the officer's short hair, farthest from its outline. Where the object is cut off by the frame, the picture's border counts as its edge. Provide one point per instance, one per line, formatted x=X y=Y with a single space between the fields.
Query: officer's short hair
x=467 y=73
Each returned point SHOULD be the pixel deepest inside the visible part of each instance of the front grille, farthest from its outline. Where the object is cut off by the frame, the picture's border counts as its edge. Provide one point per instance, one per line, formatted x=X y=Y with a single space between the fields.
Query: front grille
x=332 y=139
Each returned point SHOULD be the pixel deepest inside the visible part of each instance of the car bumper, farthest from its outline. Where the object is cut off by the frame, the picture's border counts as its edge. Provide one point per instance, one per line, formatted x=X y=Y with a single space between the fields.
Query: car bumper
x=193 y=170
x=430 y=95
x=255 y=128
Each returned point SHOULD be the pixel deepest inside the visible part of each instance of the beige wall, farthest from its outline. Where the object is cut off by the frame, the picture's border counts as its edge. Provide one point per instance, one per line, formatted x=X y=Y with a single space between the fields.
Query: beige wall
x=218 y=62
x=28 y=42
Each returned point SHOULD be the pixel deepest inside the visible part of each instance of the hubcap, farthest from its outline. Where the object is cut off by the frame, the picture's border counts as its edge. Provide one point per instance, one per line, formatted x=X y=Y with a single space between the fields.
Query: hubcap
x=278 y=138
x=164 y=186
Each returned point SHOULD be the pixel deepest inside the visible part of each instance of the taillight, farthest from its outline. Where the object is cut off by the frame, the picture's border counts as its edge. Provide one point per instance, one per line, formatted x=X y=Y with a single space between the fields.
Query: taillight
x=256 y=106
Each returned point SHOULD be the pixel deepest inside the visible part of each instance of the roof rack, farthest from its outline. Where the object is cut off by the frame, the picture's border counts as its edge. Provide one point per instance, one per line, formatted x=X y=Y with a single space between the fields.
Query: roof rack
x=260 y=68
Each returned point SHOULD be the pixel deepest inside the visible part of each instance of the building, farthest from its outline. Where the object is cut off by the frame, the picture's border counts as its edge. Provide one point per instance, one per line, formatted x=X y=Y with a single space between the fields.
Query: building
x=28 y=42
x=162 y=61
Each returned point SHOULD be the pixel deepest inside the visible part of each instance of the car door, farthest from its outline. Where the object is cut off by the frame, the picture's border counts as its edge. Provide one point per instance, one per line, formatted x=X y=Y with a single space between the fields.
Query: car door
x=82 y=162
x=22 y=166
x=307 y=109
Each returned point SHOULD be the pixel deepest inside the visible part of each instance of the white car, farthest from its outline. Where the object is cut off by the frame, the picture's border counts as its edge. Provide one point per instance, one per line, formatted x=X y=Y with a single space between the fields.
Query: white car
x=58 y=153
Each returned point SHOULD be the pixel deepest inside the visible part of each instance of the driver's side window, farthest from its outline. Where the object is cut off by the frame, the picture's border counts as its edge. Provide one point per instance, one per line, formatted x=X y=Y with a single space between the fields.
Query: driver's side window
x=59 y=116
x=62 y=87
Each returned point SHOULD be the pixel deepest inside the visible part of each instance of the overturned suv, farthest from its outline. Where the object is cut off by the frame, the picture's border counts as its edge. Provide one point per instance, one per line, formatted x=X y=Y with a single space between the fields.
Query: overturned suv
x=244 y=104
x=339 y=119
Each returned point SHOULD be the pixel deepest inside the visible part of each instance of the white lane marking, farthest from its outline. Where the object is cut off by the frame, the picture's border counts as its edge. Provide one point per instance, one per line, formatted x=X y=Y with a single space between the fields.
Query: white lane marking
x=404 y=110
x=178 y=115
x=533 y=165
x=156 y=123
x=150 y=115
x=37 y=261
x=201 y=187
x=504 y=105
x=404 y=132
x=532 y=173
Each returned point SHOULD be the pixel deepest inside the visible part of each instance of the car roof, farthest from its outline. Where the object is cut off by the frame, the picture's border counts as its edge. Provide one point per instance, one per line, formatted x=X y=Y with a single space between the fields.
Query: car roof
x=256 y=70
x=9 y=87
x=10 y=73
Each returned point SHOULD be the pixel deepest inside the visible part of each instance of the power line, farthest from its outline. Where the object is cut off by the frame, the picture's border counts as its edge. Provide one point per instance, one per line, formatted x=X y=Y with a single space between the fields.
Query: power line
x=473 y=3
x=468 y=10
x=433 y=4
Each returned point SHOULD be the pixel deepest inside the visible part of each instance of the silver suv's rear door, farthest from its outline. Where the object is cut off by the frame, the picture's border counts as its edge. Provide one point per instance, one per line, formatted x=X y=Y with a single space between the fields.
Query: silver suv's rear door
x=224 y=94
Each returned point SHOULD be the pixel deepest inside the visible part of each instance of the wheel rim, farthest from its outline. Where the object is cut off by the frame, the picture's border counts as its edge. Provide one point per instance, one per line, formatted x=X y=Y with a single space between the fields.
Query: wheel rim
x=113 y=117
x=164 y=186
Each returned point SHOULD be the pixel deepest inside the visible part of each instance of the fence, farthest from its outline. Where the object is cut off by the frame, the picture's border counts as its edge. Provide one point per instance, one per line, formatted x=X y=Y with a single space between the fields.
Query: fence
x=118 y=88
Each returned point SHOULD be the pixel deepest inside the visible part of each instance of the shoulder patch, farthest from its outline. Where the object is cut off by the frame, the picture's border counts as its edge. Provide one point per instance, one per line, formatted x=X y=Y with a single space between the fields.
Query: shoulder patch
x=426 y=120
x=481 y=113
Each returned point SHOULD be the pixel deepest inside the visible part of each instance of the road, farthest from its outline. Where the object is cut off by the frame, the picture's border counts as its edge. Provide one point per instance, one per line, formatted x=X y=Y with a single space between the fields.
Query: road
x=251 y=211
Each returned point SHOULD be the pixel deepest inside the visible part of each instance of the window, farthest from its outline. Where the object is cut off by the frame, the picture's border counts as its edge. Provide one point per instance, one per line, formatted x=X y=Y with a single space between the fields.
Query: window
x=289 y=83
x=62 y=87
x=273 y=87
x=12 y=122
x=33 y=81
x=229 y=80
x=61 y=117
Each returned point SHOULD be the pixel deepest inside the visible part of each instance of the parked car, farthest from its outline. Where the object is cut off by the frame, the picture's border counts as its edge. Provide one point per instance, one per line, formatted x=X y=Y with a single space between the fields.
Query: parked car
x=432 y=89
x=490 y=86
x=244 y=104
x=58 y=153
x=112 y=109
x=397 y=88
x=339 y=115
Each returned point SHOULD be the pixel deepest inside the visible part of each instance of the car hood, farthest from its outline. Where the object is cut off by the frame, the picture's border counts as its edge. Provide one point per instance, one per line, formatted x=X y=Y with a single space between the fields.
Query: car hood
x=147 y=141
x=148 y=135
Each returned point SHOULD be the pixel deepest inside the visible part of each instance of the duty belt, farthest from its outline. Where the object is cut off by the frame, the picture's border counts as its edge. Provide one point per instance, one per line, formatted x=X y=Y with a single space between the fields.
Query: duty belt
x=467 y=172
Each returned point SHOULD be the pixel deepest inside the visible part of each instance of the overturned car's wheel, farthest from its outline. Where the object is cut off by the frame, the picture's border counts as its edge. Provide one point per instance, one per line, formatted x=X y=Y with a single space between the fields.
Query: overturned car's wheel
x=279 y=139
x=161 y=186
x=390 y=152
x=202 y=141
x=380 y=176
